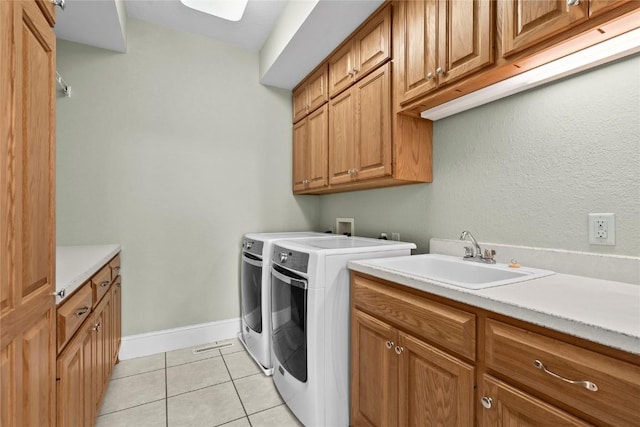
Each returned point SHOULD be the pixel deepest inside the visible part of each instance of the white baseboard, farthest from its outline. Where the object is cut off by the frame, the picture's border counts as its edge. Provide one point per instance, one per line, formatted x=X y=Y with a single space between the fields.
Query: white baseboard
x=173 y=339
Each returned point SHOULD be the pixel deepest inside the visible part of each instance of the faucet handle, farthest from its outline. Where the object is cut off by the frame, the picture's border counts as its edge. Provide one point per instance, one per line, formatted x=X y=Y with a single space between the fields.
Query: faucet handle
x=489 y=253
x=468 y=251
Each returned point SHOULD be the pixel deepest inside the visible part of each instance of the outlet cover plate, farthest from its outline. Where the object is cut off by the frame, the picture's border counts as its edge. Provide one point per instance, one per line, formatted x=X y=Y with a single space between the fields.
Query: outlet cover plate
x=602 y=229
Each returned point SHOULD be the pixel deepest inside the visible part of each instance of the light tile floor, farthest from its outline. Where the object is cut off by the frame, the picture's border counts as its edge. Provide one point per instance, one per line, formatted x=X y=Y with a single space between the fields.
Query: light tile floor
x=182 y=389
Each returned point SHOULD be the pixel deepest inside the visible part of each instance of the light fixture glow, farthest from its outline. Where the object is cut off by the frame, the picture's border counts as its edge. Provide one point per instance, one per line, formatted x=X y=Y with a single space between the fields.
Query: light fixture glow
x=601 y=53
x=231 y=10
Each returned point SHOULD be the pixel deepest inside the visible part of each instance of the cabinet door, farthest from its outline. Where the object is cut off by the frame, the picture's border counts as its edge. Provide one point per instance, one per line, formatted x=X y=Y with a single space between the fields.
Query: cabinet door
x=342 y=134
x=75 y=388
x=300 y=103
x=27 y=204
x=102 y=347
x=317 y=88
x=414 y=47
x=318 y=147
x=527 y=22
x=464 y=37
x=373 y=125
x=116 y=320
x=374 y=366
x=436 y=389
x=341 y=69
x=508 y=407
x=372 y=43
x=301 y=157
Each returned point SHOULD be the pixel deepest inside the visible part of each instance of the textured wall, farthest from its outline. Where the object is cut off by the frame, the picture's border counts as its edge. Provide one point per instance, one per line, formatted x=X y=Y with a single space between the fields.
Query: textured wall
x=524 y=170
x=171 y=150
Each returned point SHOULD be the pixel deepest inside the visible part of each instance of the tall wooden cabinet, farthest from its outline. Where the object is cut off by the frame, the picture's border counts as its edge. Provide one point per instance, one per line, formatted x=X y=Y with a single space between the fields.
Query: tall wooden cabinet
x=27 y=222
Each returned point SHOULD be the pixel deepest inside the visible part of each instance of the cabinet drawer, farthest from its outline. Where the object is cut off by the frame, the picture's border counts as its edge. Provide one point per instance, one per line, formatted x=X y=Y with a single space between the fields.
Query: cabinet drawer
x=100 y=283
x=449 y=327
x=71 y=313
x=114 y=265
x=517 y=354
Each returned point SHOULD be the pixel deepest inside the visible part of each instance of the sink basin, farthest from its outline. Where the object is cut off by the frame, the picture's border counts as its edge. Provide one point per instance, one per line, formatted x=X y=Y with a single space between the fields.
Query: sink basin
x=455 y=271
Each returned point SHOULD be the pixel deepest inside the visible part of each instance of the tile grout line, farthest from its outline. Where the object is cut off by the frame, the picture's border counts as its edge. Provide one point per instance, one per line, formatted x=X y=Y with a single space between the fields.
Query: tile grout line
x=236 y=389
x=166 y=392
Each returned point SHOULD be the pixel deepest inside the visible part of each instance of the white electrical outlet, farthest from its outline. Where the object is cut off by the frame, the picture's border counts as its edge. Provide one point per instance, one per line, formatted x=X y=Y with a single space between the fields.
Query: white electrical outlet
x=602 y=229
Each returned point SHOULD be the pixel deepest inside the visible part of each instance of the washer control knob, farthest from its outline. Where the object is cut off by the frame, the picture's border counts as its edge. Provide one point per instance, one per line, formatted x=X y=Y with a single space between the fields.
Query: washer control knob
x=249 y=244
x=283 y=257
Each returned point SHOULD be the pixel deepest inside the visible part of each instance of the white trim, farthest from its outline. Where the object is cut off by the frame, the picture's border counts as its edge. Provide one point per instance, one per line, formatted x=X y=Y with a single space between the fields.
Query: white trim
x=177 y=338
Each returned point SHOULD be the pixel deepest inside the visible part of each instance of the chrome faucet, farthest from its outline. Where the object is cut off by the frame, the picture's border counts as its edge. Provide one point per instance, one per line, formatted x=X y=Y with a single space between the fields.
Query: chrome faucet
x=475 y=253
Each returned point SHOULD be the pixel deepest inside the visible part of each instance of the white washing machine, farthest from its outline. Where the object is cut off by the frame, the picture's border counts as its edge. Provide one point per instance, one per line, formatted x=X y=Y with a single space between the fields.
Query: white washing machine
x=255 y=280
x=310 y=287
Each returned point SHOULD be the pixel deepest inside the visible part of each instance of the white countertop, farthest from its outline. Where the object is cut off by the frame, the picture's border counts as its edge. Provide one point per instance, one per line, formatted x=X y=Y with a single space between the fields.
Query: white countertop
x=601 y=311
x=76 y=264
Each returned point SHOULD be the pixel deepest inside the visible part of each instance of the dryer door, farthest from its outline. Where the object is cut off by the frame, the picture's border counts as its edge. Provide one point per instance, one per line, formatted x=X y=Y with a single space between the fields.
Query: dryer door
x=289 y=320
x=251 y=288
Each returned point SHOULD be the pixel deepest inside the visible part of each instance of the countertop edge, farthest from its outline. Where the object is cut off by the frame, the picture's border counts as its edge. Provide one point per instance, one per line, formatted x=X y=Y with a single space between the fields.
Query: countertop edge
x=597 y=334
x=85 y=269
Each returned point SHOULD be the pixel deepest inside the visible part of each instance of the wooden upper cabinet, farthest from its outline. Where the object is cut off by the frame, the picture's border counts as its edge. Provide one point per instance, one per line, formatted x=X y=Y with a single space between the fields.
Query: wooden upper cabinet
x=367 y=49
x=27 y=207
x=310 y=94
x=438 y=41
x=310 y=151
x=524 y=23
x=360 y=130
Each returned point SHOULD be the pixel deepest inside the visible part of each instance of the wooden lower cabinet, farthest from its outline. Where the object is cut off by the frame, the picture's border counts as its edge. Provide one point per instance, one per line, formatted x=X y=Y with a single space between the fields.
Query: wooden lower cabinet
x=506 y=406
x=418 y=359
x=85 y=363
x=398 y=379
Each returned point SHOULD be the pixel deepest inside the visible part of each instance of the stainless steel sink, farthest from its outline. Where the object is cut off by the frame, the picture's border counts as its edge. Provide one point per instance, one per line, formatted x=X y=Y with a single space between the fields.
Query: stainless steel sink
x=455 y=271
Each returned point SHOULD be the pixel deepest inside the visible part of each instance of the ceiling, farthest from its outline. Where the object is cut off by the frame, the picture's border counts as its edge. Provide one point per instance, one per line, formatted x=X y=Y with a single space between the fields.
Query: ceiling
x=102 y=23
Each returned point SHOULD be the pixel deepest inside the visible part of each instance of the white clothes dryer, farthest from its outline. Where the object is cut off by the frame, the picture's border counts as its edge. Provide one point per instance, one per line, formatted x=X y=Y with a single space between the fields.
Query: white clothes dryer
x=310 y=291
x=255 y=291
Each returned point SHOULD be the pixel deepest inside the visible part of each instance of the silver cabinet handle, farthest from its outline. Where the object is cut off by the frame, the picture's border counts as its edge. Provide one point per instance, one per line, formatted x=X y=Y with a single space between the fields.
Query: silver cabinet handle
x=439 y=71
x=81 y=312
x=104 y=284
x=586 y=384
x=429 y=76
x=389 y=344
x=97 y=326
x=487 y=402
x=61 y=293
x=573 y=2
x=59 y=3
x=399 y=349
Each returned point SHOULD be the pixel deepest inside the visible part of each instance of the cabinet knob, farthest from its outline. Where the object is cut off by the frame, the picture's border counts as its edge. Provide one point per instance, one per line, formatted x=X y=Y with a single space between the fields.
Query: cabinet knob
x=389 y=344
x=399 y=349
x=573 y=2
x=487 y=402
x=429 y=76
x=439 y=71
x=105 y=284
x=59 y=3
